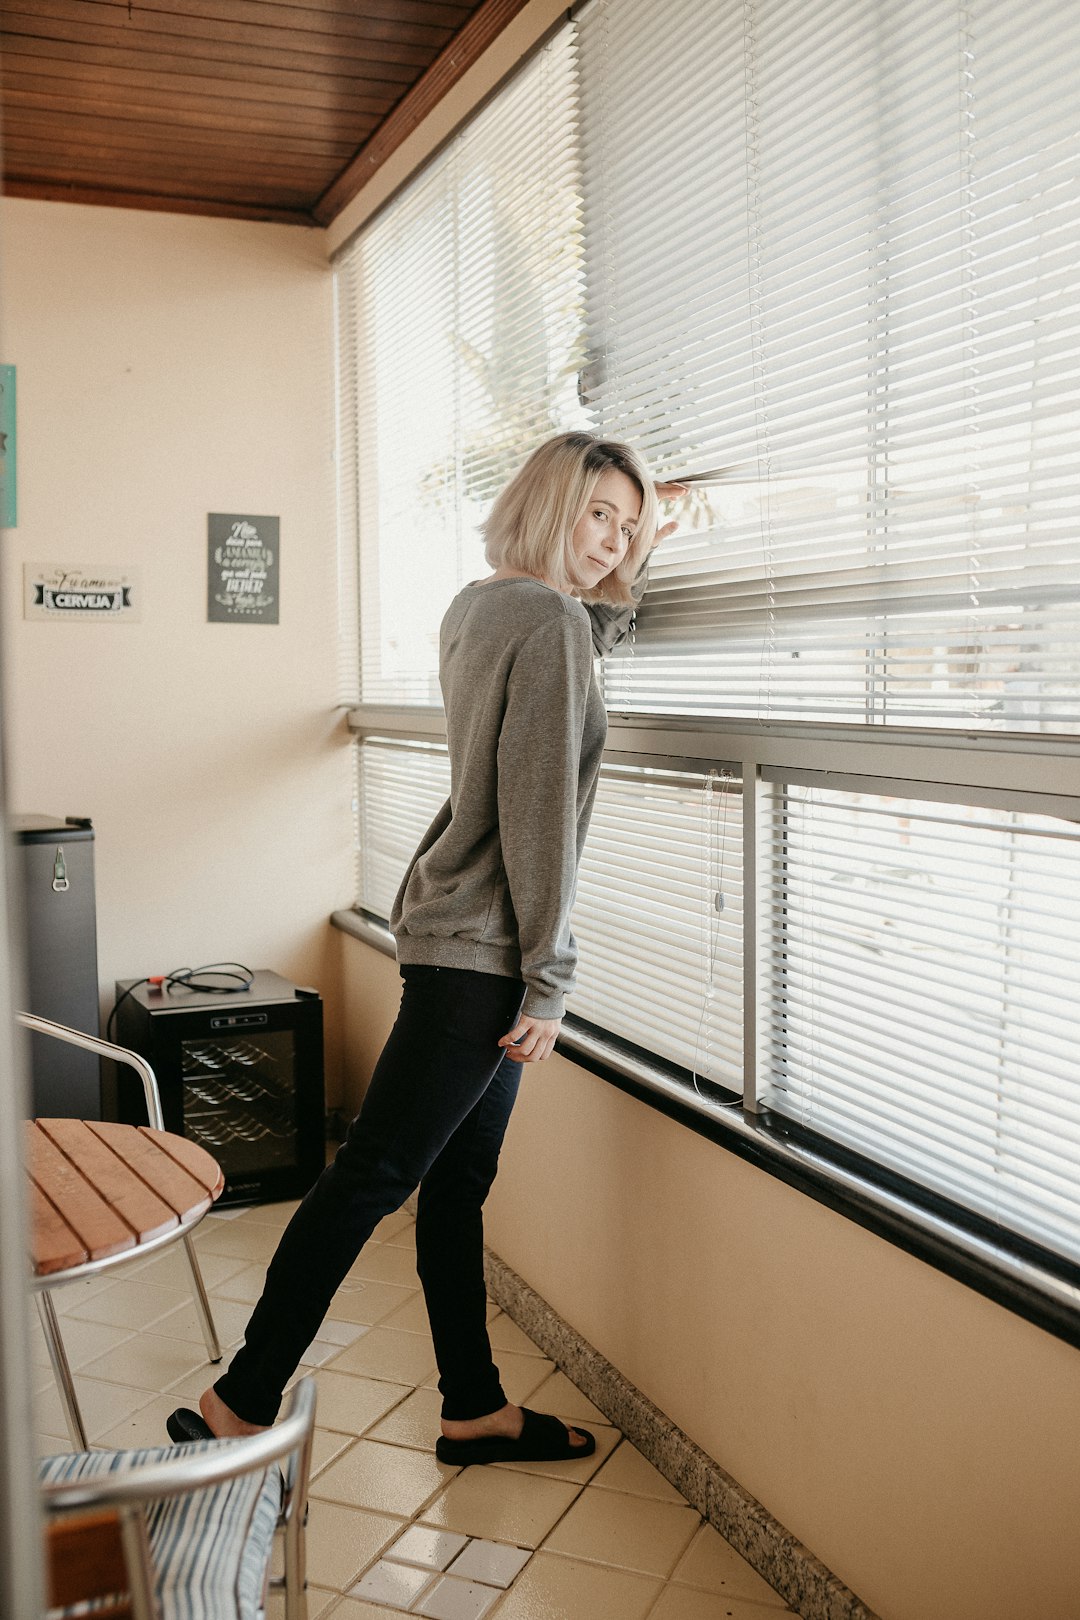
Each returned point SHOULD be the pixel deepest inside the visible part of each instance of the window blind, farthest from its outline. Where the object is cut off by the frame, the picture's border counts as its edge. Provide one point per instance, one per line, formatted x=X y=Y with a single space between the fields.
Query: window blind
x=658 y=914
x=658 y=917
x=922 y=989
x=460 y=322
x=345 y=509
x=830 y=251
x=401 y=786
x=833 y=251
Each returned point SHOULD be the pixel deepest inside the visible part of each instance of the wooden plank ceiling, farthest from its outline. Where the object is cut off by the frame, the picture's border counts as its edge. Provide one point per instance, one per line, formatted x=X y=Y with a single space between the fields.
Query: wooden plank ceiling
x=250 y=108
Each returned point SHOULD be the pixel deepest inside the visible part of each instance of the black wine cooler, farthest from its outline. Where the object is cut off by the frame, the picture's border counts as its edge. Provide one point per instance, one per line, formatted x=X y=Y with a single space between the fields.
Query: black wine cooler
x=241 y=1075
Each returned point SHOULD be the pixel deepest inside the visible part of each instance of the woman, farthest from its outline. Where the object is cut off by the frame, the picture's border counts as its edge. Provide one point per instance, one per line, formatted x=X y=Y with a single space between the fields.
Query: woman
x=481 y=923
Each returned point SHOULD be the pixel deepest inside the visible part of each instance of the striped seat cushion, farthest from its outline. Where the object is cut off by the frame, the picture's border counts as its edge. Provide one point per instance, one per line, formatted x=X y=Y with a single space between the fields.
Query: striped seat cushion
x=211 y=1549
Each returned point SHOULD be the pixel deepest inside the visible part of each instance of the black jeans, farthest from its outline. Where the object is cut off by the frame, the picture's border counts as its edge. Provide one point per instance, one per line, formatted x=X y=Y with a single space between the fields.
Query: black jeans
x=434 y=1116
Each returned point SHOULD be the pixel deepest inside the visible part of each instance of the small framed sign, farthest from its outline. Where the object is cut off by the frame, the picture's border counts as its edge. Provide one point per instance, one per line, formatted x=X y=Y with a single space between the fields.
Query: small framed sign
x=8 y=504
x=81 y=591
x=243 y=569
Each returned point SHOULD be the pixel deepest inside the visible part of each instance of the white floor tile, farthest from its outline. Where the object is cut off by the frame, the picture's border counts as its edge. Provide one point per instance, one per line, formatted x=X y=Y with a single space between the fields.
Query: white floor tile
x=397 y=1584
x=102 y=1405
x=491 y=1562
x=457 y=1600
x=341 y=1333
x=85 y=1341
x=320 y=1351
x=430 y=1549
x=133 y=1303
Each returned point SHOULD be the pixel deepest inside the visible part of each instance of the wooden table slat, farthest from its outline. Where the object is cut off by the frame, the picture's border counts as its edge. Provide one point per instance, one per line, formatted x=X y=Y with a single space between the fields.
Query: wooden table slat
x=99 y=1228
x=153 y=1165
x=138 y=1206
x=54 y=1245
x=191 y=1157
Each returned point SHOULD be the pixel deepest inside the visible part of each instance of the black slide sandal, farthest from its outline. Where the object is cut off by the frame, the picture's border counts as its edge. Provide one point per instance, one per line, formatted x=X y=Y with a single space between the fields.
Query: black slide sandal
x=184 y=1426
x=543 y=1438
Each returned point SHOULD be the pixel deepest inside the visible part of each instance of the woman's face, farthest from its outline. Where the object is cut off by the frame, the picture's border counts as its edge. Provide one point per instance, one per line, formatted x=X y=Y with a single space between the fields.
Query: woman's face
x=605 y=529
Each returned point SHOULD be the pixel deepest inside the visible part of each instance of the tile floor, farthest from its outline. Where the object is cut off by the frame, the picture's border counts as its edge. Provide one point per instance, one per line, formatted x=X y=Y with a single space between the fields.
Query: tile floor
x=392 y=1530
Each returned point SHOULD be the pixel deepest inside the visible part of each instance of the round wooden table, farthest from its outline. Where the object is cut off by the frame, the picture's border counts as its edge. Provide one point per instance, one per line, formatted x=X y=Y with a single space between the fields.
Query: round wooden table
x=100 y=1190
x=100 y=1194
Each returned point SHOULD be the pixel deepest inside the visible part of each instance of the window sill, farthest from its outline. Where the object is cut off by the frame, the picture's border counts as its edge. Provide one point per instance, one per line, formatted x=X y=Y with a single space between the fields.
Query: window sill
x=1010 y=1270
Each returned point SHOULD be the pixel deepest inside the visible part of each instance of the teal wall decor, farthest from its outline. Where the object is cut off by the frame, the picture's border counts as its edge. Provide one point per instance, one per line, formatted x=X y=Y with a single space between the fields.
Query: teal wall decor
x=8 y=509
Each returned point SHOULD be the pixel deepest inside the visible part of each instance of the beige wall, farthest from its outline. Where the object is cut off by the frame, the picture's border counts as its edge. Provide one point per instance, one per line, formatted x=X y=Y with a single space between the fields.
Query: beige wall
x=171 y=366
x=918 y=1438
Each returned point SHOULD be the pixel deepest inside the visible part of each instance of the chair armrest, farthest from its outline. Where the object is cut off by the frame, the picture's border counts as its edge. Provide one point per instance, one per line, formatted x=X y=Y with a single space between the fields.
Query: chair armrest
x=119 y=1054
x=183 y=1474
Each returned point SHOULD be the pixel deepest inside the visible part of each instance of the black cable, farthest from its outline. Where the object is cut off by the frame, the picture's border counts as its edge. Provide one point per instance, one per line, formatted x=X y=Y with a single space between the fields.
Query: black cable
x=185 y=979
x=118 y=1003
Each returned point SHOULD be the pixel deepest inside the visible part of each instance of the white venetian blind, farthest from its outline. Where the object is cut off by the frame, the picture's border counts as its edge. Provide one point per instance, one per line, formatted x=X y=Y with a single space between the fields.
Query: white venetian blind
x=400 y=788
x=923 y=994
x=834 y=250
x=459 y=330
x=658 y=918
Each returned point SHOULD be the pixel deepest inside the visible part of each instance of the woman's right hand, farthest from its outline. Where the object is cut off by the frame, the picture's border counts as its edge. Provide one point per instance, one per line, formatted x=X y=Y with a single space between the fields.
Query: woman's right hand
x=531 y=1039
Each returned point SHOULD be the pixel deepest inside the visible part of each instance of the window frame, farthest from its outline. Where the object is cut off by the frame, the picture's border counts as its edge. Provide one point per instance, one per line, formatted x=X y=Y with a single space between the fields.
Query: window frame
x=1030 y=770
x=1020 y=771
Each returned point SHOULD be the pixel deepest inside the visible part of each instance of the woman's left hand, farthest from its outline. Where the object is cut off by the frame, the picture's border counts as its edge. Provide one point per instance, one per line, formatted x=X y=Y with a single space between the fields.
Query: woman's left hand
x=531 y=1039
x=668 y=492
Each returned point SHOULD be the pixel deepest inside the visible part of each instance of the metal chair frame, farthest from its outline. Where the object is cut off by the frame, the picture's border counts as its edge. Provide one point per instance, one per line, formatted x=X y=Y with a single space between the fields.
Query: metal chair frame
x=289 y=1441
x=46 y=1310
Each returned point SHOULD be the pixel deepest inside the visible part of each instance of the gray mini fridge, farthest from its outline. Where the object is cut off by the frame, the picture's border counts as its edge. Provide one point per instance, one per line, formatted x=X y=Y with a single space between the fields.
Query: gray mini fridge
x=54 y=879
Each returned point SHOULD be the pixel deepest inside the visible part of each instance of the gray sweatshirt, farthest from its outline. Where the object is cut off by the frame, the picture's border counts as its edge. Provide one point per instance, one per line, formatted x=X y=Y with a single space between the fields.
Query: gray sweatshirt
x=492 y=883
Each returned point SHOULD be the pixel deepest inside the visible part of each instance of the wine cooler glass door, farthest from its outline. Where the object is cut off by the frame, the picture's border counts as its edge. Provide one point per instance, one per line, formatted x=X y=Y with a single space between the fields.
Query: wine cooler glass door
x=239 y=1099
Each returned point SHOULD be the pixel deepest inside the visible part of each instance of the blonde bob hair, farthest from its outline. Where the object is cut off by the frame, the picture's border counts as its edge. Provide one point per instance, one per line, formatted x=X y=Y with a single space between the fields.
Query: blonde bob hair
x=531 y=525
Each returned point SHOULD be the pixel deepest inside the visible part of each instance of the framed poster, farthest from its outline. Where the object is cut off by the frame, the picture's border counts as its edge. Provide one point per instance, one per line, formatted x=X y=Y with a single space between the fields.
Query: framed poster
x=8 y=507
x=243 y=569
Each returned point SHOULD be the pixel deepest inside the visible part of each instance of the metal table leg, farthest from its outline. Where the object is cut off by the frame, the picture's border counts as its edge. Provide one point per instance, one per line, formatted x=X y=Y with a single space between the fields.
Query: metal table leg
x=202 y=1303
x=62 y=1370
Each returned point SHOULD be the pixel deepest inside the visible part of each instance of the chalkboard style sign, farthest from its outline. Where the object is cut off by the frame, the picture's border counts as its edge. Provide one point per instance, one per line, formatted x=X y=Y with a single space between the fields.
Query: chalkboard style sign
x=243 y=569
